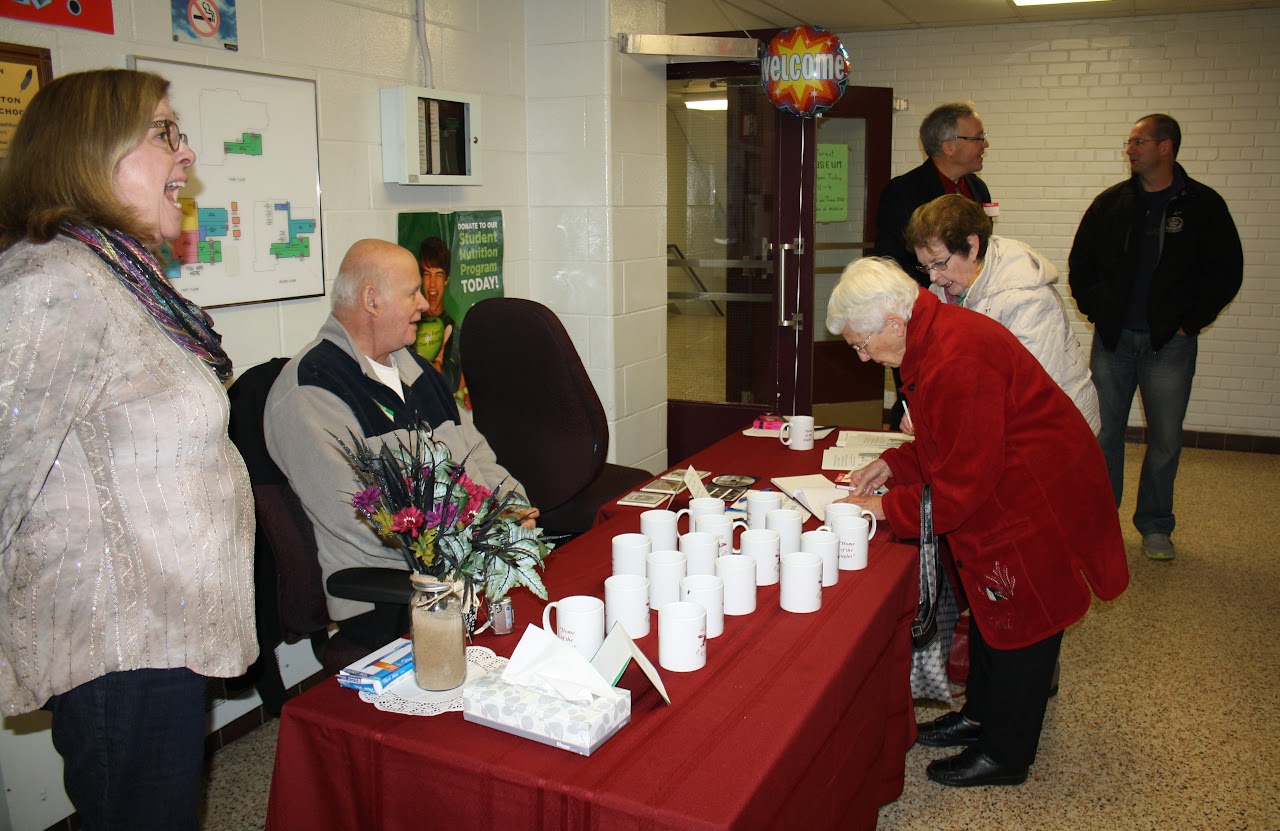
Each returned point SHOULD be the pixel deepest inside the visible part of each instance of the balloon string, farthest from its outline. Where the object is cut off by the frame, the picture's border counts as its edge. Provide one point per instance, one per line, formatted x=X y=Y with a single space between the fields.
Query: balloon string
x=795 y=371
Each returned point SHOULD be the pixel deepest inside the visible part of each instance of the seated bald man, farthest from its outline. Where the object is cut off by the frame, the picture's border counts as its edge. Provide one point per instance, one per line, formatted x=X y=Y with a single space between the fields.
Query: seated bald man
x=359 y=374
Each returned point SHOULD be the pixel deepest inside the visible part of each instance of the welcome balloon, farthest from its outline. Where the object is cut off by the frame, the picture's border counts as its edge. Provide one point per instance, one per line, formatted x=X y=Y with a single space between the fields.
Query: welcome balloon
x=804 y=70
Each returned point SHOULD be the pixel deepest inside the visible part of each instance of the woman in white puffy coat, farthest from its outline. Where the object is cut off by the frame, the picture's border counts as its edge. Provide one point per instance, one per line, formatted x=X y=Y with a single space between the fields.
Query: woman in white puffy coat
x=1006 y=281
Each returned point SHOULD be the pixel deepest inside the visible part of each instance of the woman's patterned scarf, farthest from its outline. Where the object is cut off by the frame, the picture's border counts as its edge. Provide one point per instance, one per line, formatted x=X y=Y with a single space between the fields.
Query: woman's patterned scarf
x=137 y=269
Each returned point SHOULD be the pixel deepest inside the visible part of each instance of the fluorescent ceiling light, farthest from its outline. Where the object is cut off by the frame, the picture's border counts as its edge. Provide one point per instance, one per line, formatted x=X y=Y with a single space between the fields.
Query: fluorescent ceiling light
x=706 y=101
x=1052 y=2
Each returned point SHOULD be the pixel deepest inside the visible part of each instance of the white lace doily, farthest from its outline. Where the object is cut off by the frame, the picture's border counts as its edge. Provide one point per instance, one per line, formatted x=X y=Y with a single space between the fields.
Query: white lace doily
x=405 y=696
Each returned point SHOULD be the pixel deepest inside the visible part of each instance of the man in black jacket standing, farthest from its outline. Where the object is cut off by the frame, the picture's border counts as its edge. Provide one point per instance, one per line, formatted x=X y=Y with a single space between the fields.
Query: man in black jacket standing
x=954 y=140
x=1155 y=260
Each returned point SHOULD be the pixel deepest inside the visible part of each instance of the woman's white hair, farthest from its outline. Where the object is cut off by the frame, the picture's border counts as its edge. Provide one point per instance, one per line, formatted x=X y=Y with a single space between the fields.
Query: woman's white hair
x=870 y=289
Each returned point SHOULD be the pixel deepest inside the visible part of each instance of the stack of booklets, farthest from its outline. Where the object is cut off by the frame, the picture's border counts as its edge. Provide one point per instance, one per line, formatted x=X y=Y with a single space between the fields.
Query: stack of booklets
x=375 y=671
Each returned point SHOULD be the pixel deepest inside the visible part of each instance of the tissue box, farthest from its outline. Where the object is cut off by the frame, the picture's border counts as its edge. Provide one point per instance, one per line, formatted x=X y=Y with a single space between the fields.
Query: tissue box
x=524 y=712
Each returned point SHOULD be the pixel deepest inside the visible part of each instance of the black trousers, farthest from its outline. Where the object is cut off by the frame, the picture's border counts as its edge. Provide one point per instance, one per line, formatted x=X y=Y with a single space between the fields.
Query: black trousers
x=132 y=746
x=1007 y=693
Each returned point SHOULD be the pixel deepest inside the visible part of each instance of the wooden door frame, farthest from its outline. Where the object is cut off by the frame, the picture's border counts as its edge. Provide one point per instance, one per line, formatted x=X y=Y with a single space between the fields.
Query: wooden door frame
x=693 y=425
x=837 y=377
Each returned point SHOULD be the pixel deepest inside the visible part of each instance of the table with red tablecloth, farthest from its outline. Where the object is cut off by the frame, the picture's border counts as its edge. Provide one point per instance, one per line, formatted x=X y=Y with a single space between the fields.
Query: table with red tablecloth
x=797 y=720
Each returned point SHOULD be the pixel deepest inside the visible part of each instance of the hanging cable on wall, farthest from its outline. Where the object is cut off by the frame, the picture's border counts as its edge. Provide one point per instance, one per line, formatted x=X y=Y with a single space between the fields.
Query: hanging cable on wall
x=422 y=45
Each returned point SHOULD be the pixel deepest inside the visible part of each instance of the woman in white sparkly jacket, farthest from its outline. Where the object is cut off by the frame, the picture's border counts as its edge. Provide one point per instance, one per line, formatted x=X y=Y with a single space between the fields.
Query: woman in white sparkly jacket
x=126 y=517
x=1006 y=281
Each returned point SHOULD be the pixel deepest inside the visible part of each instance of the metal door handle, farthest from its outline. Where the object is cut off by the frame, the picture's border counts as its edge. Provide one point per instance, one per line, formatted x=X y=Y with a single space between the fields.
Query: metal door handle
x=797 y=319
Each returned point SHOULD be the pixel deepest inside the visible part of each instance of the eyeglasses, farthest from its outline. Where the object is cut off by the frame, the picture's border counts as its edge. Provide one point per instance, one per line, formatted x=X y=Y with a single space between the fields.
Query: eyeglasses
x=172 y=135
x=1139 y=142
x=978 y=137
x=935 y=267
x=861 y=348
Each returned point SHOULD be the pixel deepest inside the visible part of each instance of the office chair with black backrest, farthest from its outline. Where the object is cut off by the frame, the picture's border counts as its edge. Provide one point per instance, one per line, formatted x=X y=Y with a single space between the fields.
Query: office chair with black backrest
x=290 y=594
x=534 y=402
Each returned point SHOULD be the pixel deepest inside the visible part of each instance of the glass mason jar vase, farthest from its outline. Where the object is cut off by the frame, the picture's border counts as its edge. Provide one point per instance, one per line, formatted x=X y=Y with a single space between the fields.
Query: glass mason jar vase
x=439 y=636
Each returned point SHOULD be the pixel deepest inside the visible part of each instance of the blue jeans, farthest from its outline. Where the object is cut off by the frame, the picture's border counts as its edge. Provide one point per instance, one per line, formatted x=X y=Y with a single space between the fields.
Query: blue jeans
x=132 y=745
x=1163 y=378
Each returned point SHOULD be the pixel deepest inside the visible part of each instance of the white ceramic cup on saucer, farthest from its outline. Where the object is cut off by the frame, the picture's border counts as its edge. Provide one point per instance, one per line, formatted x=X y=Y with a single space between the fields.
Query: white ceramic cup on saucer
x=761 y=545
x=707 y=591
x=659 y=525
x=854 y=533
x=801 y=589
x=797 y=433
x=626 y=601
x=760 y=503
x=665 y=570
x=701 y=549
x=738 y=573
x=629 y=551
x=826 y=544
x=579 y=622
x=682 y=637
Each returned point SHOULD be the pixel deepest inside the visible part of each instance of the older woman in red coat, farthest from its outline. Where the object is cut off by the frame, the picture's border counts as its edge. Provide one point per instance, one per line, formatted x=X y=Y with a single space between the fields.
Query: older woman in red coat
x=1020 y=489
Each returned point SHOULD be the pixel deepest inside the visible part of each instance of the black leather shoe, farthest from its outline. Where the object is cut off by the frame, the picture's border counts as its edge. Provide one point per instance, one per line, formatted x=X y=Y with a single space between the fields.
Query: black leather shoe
x=951 y=730
x=973 y=769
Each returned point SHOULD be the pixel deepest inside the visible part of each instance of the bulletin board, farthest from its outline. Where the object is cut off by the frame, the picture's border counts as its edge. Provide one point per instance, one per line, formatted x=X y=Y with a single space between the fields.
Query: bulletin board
x=251 y=207
x=24 y=71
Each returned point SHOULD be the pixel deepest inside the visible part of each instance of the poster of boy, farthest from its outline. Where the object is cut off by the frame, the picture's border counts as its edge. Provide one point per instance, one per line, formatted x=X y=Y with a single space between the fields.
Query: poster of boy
x=460 y=260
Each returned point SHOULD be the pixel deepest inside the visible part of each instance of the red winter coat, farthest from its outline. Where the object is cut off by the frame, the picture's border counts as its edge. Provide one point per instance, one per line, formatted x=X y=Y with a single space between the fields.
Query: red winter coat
x=1020 y=487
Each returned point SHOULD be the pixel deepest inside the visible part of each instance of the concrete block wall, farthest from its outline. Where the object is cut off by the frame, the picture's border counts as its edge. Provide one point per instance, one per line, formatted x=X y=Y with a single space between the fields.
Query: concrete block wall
x=597 y=210
x=597 y=172
x=1058 y=101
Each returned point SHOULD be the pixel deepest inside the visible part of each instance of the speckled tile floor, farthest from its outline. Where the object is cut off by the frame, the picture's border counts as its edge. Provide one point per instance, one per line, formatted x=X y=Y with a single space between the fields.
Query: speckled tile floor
x=1168 y=716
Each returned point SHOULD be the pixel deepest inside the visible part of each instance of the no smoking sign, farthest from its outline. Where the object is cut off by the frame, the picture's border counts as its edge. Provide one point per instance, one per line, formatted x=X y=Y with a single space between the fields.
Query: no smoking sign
x=204 y=18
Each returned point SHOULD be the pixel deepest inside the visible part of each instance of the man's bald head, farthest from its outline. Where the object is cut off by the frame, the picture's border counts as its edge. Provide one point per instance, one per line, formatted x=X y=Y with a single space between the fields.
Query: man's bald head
x=366 y=264
x=377 y=297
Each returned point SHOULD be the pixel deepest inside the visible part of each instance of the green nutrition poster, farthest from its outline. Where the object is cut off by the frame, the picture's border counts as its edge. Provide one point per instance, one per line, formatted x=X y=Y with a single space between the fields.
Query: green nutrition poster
x=460 y=261
x=832 y=204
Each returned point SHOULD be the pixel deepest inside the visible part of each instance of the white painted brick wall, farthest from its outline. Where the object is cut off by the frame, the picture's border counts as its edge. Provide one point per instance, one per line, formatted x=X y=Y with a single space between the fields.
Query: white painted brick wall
x=1058 y=100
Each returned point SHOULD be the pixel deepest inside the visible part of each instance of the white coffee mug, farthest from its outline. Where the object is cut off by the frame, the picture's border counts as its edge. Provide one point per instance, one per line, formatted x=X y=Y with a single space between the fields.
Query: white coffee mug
x=797 y=433
x=700 y=506
x=659 y=525
x=801 y=589
x=836 y=510
x=854 y=533
x=707 y=591
x=789 y=524
x=579 y=622
x=738 y=573
x=701 y=549
x=682 y=637
x=761 y=545
x=629 y=551
x=760 y=503
x=826 y=544
x=721 y=526
x=626 y=601
x=665 y=569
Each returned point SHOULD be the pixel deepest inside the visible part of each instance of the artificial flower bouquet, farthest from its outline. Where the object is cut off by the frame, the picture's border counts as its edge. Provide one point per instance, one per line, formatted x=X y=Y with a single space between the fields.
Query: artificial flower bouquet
x=447 y=526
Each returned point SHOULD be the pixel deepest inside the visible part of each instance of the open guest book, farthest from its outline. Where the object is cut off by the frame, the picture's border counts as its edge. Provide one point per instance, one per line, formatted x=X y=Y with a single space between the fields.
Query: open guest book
x=814 y=491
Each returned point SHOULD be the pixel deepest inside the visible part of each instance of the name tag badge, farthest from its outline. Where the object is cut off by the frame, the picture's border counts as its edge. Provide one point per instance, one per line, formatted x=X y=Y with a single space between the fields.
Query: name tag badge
x=992 y=209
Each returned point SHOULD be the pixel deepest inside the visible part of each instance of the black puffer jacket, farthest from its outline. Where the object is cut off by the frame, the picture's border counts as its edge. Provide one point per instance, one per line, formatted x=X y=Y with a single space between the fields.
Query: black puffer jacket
x=1200 y=269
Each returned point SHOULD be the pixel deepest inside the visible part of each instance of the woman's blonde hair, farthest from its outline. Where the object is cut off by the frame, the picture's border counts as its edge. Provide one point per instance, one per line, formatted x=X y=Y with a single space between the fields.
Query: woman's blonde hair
x=63 y=156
